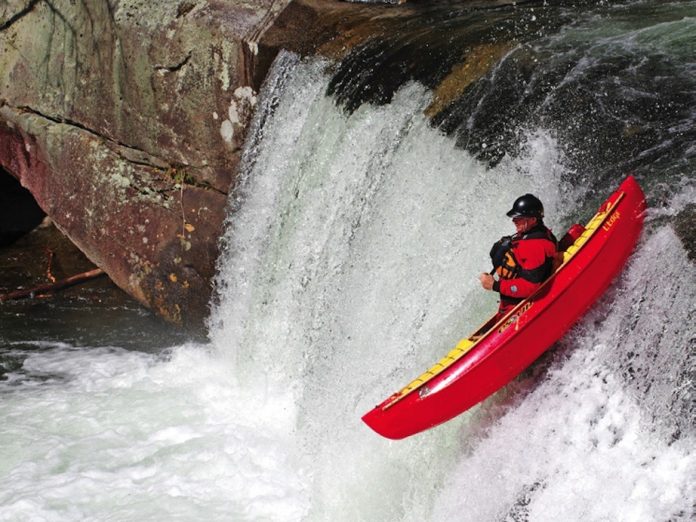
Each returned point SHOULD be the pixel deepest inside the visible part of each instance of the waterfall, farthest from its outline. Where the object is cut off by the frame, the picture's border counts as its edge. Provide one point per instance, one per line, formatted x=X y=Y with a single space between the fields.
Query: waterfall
x=349 y=265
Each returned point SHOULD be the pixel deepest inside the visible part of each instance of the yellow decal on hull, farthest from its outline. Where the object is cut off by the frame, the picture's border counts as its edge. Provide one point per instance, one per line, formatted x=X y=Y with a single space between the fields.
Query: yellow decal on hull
x=610 y=222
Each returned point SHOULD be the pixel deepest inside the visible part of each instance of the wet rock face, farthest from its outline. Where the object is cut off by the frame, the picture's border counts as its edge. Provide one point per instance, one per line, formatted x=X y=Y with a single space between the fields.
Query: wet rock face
x=125 y=121
x=685 y=226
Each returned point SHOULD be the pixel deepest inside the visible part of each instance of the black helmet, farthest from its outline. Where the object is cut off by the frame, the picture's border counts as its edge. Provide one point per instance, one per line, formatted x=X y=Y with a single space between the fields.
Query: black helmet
x=527 y=206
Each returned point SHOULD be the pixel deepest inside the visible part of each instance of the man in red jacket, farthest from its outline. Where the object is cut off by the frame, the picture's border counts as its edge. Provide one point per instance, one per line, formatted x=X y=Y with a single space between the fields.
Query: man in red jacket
x=525 y=260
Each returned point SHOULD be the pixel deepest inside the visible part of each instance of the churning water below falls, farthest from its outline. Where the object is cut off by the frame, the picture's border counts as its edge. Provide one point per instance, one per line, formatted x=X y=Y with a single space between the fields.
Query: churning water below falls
x=349 y=265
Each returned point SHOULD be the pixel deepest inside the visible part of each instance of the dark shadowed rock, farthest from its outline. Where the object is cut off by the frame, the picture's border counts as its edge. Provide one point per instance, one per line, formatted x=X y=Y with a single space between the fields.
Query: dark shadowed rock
x=685 y=226
x=19 y=212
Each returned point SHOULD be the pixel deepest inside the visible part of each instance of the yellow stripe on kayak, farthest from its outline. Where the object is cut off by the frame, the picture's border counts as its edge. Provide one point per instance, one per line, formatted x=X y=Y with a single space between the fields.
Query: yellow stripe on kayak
x=592 y=227
x=454 y=355
x=466 y=344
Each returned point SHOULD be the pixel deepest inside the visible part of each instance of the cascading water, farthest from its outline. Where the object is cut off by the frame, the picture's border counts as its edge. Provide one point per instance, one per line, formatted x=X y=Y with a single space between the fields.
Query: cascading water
x=349 y=265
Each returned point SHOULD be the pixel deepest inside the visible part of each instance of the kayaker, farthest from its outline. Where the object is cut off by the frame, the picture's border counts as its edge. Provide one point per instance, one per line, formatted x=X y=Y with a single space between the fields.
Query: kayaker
x=522 y=261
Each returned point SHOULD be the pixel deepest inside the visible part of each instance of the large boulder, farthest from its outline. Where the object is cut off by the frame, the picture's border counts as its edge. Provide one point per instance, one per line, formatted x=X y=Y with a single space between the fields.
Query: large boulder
x=125 y=120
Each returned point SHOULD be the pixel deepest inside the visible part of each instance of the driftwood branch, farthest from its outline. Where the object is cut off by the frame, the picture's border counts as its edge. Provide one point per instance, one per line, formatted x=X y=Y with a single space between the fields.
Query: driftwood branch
x=53 y=287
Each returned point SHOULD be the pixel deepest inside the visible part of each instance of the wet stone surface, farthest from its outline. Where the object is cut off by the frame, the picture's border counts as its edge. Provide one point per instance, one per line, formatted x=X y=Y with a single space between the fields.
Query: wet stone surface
x=685 y=226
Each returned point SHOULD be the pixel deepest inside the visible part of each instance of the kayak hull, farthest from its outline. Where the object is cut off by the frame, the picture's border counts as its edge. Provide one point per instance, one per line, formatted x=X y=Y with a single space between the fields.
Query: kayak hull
x=504 y=349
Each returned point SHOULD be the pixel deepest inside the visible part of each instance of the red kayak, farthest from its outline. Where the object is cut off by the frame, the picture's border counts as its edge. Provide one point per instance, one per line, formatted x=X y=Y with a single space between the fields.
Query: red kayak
x=501 y=349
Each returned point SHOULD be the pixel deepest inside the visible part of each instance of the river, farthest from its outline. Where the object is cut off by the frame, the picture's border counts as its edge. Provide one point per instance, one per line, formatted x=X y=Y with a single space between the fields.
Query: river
x=350 y=264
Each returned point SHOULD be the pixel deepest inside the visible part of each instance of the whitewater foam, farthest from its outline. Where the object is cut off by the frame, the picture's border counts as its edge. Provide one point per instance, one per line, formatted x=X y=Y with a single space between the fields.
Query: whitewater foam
x=583 y=445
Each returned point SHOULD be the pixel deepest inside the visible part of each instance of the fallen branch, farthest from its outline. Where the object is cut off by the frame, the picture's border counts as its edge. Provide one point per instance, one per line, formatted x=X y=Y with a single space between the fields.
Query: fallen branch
x=53 y=287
